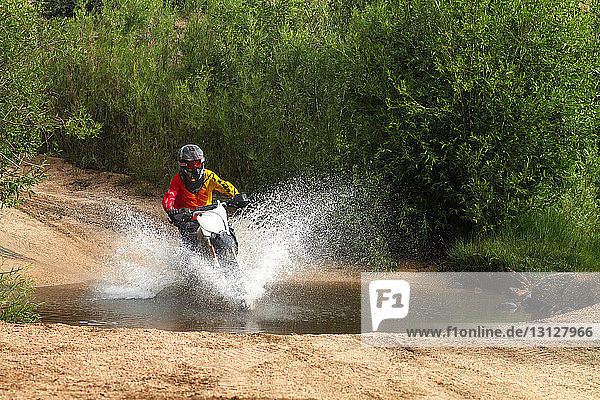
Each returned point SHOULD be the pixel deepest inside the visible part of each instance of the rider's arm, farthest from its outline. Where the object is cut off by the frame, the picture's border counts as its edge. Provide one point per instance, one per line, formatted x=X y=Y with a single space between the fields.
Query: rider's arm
x=169 y=199
x=221 y=185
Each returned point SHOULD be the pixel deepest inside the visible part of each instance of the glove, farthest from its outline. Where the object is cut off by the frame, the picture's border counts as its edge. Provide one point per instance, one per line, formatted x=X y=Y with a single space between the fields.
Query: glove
x=177 y=217
x=240 y=200
x=171 y=214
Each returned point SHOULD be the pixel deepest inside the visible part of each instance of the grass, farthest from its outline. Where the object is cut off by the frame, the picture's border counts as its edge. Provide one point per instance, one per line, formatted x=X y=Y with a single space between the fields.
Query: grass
x=555 y=240
x=16 y=300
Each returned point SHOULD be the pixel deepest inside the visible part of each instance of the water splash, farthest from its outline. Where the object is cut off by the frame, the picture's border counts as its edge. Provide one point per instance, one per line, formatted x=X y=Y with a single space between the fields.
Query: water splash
x=145 y=260
x=313 y=221
x=296 y=225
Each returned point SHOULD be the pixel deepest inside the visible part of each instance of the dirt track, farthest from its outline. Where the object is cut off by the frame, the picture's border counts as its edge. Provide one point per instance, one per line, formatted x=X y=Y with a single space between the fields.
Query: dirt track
x=63 y=231
x=44 y=361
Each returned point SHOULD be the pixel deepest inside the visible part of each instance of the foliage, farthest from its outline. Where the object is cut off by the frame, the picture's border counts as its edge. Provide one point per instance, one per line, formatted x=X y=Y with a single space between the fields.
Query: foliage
x=25 y=117
x=565 y=237
x=270 y=93
x=121 y=66
x=238 y=83
x=16 y=303
x=489 y=105
x=464 y=114
x=58 y=8
x=22 y=102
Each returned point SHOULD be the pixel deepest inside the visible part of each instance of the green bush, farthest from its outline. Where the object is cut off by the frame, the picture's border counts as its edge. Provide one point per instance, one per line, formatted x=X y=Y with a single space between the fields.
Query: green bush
x=274 y=105
x=480 y=110
x=23 y=103
x=16 y=302
x=465 y=114
x=244 y=80
x=564 y=237
x=117 y=66
x=27 y=121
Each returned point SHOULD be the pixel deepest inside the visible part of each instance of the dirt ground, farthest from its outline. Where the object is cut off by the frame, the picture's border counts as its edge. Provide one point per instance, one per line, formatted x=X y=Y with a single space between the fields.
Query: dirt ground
x=63 y=231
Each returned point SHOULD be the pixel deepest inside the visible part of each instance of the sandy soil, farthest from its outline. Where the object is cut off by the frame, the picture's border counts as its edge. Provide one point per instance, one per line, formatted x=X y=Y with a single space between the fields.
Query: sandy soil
x=46 y=361
x=63 y=231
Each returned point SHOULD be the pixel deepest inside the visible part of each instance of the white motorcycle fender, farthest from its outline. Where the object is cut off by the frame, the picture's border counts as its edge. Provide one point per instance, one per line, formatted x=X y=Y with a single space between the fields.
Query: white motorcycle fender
x=213 y=221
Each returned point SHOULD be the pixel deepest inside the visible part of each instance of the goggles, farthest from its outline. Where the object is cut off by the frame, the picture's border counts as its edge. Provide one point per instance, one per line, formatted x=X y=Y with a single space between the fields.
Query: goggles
x=192 y=164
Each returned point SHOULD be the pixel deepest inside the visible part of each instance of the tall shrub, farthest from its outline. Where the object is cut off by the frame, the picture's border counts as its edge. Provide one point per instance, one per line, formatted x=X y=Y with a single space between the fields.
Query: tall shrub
x=475 y=112
x=23 y=103
x=26 y=117
x=273 y=108
x=466 y=114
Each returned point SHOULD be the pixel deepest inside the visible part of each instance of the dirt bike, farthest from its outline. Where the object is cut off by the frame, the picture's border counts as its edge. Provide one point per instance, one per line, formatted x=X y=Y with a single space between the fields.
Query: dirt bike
x=216 y=241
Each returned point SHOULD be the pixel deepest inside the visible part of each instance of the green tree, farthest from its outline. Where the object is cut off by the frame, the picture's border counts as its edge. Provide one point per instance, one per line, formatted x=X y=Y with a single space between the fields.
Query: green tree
x=26 y=120
x=475 y=112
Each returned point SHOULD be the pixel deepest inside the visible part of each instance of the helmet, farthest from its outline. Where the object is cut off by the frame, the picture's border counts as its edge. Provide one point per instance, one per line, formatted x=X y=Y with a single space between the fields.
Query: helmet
x=190 y=159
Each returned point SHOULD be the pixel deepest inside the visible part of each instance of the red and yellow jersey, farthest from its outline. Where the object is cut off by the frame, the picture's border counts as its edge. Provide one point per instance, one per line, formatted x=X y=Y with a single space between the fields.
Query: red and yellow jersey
x=179 y=197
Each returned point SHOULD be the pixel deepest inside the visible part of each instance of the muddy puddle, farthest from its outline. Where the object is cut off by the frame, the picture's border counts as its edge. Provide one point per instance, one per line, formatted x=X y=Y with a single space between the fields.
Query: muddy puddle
x=287 y=307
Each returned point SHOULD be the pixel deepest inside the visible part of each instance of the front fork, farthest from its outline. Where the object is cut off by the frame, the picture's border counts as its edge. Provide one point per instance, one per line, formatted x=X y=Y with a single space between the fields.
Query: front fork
x=211 y=251
x=218 y=244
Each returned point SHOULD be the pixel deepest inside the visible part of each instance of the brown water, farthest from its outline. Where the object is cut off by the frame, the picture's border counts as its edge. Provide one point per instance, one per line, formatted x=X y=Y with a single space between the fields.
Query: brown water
x=287 y=308
x=304 y=307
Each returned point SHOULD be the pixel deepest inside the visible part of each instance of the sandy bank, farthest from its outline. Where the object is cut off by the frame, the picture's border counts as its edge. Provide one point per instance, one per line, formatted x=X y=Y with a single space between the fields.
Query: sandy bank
x=40 y=361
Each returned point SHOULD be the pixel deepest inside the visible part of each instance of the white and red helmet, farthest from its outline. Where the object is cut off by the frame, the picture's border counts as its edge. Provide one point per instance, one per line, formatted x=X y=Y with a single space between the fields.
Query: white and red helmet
x=190 y=159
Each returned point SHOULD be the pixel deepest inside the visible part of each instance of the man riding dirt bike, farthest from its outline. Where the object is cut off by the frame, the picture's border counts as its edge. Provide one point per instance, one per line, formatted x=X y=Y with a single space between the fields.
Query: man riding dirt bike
x=203 y=224
x=191 y=188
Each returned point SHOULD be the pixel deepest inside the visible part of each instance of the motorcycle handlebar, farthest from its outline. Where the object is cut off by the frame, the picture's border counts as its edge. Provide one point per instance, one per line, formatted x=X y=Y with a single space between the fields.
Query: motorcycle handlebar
x=208 y=207
x=205 y=208
x=230 y=203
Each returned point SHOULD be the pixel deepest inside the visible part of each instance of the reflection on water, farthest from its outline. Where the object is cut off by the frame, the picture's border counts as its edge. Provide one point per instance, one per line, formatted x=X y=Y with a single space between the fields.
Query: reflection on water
x=287 y=307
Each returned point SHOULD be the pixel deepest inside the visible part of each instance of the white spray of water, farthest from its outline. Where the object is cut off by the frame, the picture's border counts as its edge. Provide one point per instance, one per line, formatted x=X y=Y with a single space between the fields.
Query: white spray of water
x=145 y=260
x=297 y=224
